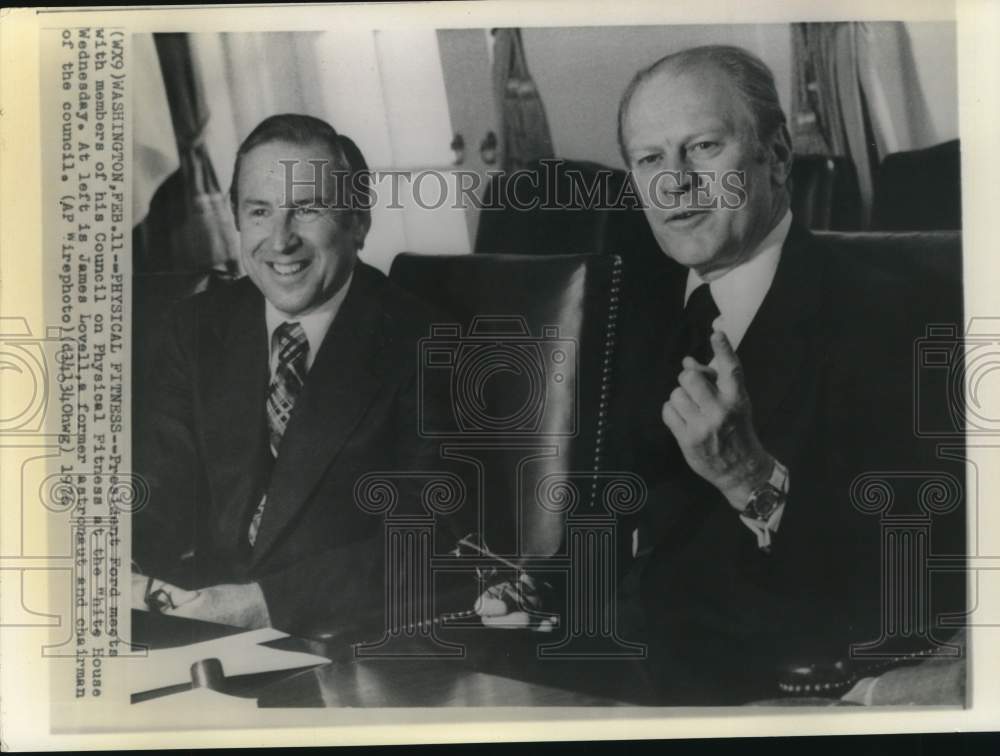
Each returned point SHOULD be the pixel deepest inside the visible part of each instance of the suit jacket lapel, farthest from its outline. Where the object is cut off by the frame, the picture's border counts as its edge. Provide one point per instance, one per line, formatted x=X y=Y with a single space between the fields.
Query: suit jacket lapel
x=341 y=383
x=652 y=359
x=783 y=331
x=233 y=377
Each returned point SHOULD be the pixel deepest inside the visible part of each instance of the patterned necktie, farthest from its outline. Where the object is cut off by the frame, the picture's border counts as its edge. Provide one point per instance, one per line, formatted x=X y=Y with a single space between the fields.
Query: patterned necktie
x=286 y=385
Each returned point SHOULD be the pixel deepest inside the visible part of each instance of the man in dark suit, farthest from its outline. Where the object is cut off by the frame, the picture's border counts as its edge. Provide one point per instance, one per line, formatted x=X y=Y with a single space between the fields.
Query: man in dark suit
x=760 y=376
x=272 y=397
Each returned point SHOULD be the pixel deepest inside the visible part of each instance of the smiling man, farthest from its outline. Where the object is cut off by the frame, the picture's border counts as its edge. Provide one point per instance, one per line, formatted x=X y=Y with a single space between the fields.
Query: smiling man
x=761 y=374
x=764 y=394
x=272 y=397
x=685 y=127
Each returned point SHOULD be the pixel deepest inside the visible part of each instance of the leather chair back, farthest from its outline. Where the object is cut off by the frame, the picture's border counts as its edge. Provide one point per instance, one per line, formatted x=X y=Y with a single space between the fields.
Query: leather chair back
x=153 y=297
x=524 y=359
x=930 y=262
x=548 y=209
x=919 y=190
x=825 y=192
x=574 y=207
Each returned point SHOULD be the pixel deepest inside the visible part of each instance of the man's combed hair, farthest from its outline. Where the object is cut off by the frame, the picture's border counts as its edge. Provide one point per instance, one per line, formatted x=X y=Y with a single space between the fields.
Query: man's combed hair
x=748 y=73
x=295 y=128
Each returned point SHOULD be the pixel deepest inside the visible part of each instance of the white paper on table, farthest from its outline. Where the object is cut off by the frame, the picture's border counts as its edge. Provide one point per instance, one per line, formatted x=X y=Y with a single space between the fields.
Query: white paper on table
x=239 y=654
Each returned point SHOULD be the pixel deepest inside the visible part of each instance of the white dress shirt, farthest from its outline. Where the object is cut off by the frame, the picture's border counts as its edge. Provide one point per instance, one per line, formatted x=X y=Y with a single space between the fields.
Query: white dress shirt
x=315 y=324
x=738 y=294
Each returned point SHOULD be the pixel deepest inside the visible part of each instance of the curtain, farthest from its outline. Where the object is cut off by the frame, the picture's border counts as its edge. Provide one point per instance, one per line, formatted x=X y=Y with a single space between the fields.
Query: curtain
x=525 y=136
x=154 y=149
x=271 y=72
x=901 y=118
x=249 y=76
x=856 y=95
x=189 y=227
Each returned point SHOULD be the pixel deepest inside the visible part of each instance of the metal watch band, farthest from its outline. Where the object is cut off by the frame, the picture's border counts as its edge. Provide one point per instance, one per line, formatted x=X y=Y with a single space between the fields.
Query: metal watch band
x=776 y=485
x=779 y=477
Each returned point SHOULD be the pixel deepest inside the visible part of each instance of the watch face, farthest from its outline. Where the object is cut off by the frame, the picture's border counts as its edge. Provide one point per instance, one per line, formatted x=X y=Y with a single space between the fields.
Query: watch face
x=764 y=502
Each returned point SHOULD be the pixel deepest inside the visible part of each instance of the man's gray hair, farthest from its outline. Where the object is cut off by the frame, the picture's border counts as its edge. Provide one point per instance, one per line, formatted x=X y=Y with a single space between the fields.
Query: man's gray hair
x=748 y=73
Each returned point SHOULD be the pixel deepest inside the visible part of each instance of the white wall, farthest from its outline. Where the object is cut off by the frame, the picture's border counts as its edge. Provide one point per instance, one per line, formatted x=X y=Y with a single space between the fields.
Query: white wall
x=582 y=72
x=935 y=50
x=384 y=89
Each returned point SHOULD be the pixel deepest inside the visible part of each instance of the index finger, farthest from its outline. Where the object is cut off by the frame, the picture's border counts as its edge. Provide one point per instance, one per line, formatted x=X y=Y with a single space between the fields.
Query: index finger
x=727 y=363
x=725 y=355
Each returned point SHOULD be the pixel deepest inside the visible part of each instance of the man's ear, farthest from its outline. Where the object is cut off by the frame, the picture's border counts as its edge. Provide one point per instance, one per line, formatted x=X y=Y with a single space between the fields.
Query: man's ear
x=232 y=208
x=780 y=156
x=360 y=227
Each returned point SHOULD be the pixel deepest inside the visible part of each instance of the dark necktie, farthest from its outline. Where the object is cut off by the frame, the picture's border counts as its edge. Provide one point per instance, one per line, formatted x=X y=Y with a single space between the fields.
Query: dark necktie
x=286 y=385
x=694 y=336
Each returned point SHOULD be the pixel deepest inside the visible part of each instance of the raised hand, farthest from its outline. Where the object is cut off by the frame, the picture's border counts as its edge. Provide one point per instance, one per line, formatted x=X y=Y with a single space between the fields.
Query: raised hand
x=709 y=414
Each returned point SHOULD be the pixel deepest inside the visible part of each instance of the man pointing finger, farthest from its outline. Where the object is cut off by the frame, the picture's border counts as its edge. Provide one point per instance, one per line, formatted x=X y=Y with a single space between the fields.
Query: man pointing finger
x=760 y=375
x=709 y=415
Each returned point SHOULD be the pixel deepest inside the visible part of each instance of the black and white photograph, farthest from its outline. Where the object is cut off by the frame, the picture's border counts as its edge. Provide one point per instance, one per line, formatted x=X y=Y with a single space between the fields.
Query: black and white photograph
x=660 y=379
x=435 y=371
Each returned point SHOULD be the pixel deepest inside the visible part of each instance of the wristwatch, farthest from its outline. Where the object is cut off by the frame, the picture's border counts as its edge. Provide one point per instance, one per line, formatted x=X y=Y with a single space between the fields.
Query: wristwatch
x=766 y=499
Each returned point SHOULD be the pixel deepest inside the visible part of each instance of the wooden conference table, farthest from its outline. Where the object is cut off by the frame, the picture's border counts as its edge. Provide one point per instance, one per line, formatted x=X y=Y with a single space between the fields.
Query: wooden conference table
x=499 y=668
